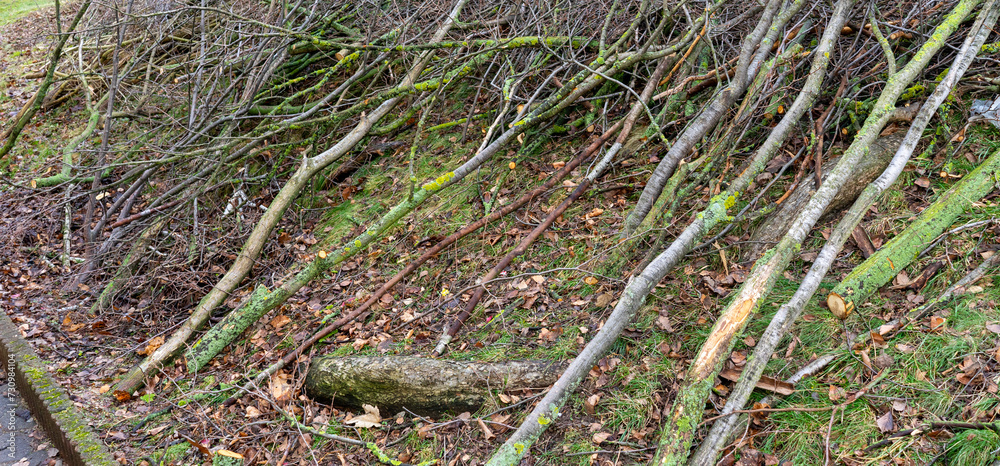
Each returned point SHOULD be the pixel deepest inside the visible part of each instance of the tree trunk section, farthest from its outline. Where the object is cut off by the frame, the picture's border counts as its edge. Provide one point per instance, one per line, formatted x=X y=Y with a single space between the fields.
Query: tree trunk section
x=424 y=386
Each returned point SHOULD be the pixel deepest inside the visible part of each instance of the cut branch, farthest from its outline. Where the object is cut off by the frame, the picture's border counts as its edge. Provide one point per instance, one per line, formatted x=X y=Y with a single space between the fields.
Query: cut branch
x=688 y=406
x=254 y=244
x=635 y=293
x=715 y=441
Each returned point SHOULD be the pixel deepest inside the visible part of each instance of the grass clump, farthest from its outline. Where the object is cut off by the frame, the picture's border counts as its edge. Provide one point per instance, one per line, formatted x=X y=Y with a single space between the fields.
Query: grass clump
x=12 y=10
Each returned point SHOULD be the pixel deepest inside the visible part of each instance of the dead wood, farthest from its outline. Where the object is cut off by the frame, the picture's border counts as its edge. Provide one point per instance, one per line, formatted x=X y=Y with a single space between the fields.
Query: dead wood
x=898 y=253
x=430 y=253
x=869 y=168
x=424 y=386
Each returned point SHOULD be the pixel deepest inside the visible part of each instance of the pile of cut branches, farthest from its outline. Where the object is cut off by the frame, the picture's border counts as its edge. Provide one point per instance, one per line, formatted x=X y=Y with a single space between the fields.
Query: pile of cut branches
x=209 y=122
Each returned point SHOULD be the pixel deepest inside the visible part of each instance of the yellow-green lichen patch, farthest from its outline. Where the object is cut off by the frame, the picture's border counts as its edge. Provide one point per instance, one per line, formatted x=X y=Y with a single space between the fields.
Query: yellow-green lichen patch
x=990 y=48
x=439 y=182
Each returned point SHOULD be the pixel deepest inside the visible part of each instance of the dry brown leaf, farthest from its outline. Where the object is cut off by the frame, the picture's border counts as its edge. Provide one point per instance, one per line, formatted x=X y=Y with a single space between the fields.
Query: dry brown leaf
x=885 y=423
x=600 y=437
x=663 y=322
x=230 y=454
x=591 y=403
x=280 y=321
x=152 y=346
x=487 y=433
x=69 y=326
x=198 y=445
x=937 y=324
x=281 y=386
x=371 y=418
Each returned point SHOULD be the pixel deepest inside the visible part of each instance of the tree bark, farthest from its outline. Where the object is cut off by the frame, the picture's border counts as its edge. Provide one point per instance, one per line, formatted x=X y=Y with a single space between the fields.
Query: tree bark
x=688 y=406
x=867 y=169
x=422 y=385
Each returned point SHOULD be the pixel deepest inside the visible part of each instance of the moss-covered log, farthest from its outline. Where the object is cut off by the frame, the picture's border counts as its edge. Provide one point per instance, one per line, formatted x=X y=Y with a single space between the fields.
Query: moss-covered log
x=426 y=386
x=881 y=267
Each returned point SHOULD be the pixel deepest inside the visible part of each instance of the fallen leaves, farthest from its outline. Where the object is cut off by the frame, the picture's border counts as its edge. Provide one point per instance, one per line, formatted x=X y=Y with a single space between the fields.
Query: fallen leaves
x=151 y=346
x=937 y=324
x=600 y=437
x=590 y=403
x=280 y=321
x=885 y=422
x=252 y=412
x=371 y=418
x=280 y=386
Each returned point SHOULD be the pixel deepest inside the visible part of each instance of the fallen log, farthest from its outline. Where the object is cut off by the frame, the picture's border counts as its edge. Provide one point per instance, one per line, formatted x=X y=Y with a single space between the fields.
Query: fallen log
x=422 y=385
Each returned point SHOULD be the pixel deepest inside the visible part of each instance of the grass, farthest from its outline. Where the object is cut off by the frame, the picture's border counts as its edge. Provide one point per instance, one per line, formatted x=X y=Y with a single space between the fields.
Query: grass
x=637 y=387
x=12 y=10
x=922 y=376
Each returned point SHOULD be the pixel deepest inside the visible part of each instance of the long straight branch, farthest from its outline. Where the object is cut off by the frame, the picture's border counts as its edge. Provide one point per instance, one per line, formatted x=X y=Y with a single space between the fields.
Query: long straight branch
x=637 y=290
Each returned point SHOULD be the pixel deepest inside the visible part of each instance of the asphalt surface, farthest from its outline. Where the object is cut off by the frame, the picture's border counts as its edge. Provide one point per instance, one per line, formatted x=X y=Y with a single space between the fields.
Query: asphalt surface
x=22 y=441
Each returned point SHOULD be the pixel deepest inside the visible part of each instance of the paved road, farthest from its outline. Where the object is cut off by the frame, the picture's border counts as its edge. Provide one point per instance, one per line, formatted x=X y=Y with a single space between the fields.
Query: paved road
x=22 y=441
